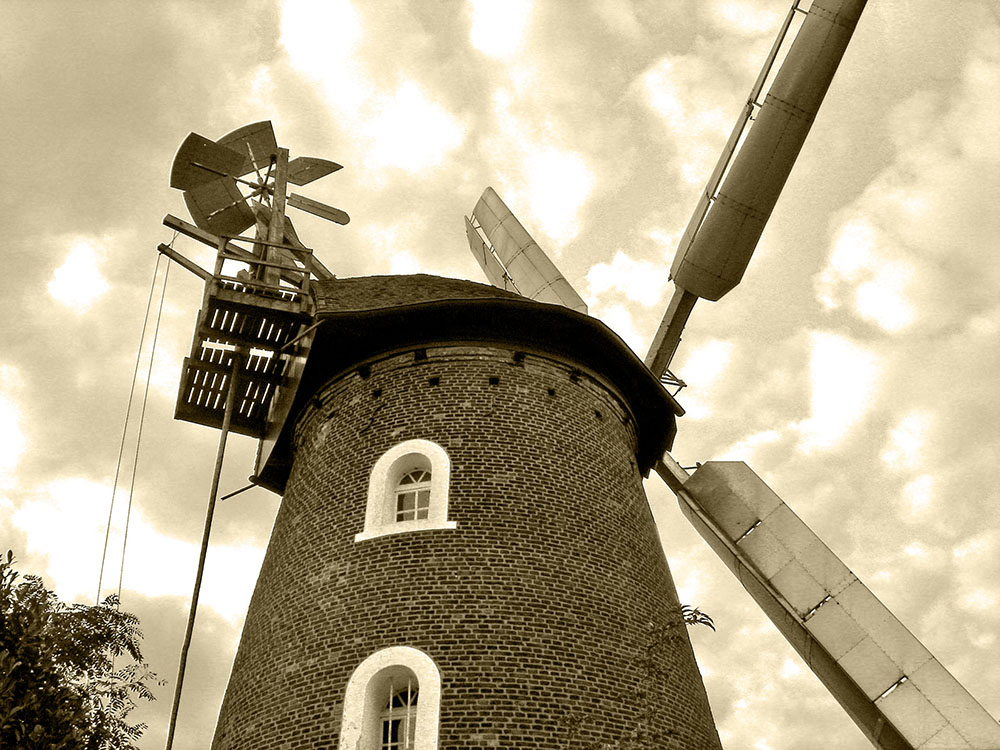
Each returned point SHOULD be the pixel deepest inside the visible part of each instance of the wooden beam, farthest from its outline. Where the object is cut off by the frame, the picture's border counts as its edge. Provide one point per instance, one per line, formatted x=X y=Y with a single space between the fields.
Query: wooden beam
x=180 y=260
x=196 y=233
x=316 y=208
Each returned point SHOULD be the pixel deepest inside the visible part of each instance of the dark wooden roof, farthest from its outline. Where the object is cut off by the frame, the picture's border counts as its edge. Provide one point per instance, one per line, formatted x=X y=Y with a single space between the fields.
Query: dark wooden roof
x=374 y=292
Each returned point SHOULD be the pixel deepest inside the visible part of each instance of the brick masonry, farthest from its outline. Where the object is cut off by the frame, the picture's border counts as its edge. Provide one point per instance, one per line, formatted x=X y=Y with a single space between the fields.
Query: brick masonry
x=534 y=608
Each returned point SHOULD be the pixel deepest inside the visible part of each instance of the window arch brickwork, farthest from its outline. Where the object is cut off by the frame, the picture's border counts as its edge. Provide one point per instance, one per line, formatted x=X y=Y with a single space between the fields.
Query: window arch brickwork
x=406 y=460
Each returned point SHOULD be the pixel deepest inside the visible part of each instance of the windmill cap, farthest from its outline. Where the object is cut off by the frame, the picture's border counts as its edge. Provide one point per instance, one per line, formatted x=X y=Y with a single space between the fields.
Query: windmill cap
x=363 y=319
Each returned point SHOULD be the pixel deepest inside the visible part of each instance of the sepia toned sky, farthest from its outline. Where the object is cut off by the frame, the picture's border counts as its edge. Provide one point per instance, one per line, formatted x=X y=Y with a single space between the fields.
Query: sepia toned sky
x=855 y=369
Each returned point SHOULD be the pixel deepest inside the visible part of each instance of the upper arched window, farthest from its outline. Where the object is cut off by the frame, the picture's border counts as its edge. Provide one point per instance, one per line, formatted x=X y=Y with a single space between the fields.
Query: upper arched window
x=392 y=702
x=408 y=490
x=413 y=496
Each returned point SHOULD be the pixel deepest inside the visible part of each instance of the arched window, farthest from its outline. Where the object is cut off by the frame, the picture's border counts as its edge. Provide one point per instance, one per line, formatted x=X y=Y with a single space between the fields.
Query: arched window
x=392 y=702
x=408 y=490
x=413 y=496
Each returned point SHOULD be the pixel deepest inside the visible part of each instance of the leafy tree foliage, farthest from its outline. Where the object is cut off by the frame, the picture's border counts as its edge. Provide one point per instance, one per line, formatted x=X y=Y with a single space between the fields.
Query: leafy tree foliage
x=60 y=688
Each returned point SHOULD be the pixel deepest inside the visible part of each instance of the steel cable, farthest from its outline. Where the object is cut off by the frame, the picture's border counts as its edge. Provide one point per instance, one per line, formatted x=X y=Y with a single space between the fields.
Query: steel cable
x=128 y=410
x=142 y=416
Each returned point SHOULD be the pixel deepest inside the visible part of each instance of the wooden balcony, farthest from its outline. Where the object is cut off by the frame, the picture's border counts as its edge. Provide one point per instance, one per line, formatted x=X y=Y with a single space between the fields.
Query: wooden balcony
x=254 y=318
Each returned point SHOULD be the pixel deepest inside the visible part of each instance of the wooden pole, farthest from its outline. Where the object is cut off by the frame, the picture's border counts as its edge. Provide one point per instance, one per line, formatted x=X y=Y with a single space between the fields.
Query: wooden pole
x=276 y=225
x=226 y=420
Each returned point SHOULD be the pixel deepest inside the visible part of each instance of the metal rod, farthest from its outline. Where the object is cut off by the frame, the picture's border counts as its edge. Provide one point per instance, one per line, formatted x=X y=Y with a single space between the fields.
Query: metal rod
x=305 y=332
x=226 y=174
x=237 y=492
x=226 y=419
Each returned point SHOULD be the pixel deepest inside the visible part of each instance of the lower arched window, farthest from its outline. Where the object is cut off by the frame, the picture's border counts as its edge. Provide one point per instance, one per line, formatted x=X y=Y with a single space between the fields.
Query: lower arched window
x=392 y=702
x=399 y=718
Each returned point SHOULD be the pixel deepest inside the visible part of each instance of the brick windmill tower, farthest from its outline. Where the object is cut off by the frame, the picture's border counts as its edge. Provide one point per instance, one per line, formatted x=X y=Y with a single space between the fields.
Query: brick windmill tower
x=464 y=556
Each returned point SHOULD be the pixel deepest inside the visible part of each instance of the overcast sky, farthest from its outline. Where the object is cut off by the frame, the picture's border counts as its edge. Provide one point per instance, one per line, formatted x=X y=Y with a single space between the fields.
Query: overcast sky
x=855 y=369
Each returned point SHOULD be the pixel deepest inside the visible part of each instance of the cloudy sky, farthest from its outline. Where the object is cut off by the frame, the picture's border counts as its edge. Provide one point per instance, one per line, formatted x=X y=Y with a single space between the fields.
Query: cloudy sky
x=855 y=368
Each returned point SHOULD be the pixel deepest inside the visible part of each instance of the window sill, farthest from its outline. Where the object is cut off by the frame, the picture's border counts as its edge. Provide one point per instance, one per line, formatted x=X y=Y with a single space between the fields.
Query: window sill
x=404 y=527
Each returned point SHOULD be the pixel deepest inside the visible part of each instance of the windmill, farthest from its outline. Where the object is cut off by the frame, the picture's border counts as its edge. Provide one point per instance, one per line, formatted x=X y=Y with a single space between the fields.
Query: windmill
x=896 y=692
x=880 y=676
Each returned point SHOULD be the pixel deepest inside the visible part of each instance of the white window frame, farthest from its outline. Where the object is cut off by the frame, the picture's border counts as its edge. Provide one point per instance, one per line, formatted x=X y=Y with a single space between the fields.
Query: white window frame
x=380 y=513
x=420 y=489
x=367 y=689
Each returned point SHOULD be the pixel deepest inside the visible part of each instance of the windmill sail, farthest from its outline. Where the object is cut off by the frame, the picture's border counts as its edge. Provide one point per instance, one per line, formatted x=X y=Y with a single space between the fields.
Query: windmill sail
x=511 y=259
x=719 y=247
x=897 y=693
x=722 y=235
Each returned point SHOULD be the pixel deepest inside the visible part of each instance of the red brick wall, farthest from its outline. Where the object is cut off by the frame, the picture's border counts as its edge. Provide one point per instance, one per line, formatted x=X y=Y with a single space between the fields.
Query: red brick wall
x=532 y=608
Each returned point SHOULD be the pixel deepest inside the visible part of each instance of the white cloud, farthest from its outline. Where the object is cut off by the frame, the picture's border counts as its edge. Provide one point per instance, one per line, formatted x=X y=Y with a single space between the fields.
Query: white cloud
x=166 y=371
x=261 y=93
x=849 y=256
x=918 y=494
x=410 y=131
x=404 y=262
x=401 y=128
x=908 y=251
x=637 y=280
x=981 y=600
x=861 y=262
x=705 y=364
x=743 y=17
x=550 y=181
x=790 y=669
x=743 y=450
x=78 y=282
x=702 y=368
x=498 y=26
x=882 y=299
x=843 y=376
x=979 y=547
x=619 y=319
x=667 y=240
x=13 y=441
x=677 y=89
x=906 y=442
x=306 y=26
x=558 y=184
x=65 y=522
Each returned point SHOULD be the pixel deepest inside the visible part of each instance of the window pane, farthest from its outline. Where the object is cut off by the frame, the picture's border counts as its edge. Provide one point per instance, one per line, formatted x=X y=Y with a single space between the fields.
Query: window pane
x=390 y=734
x=406 y=501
